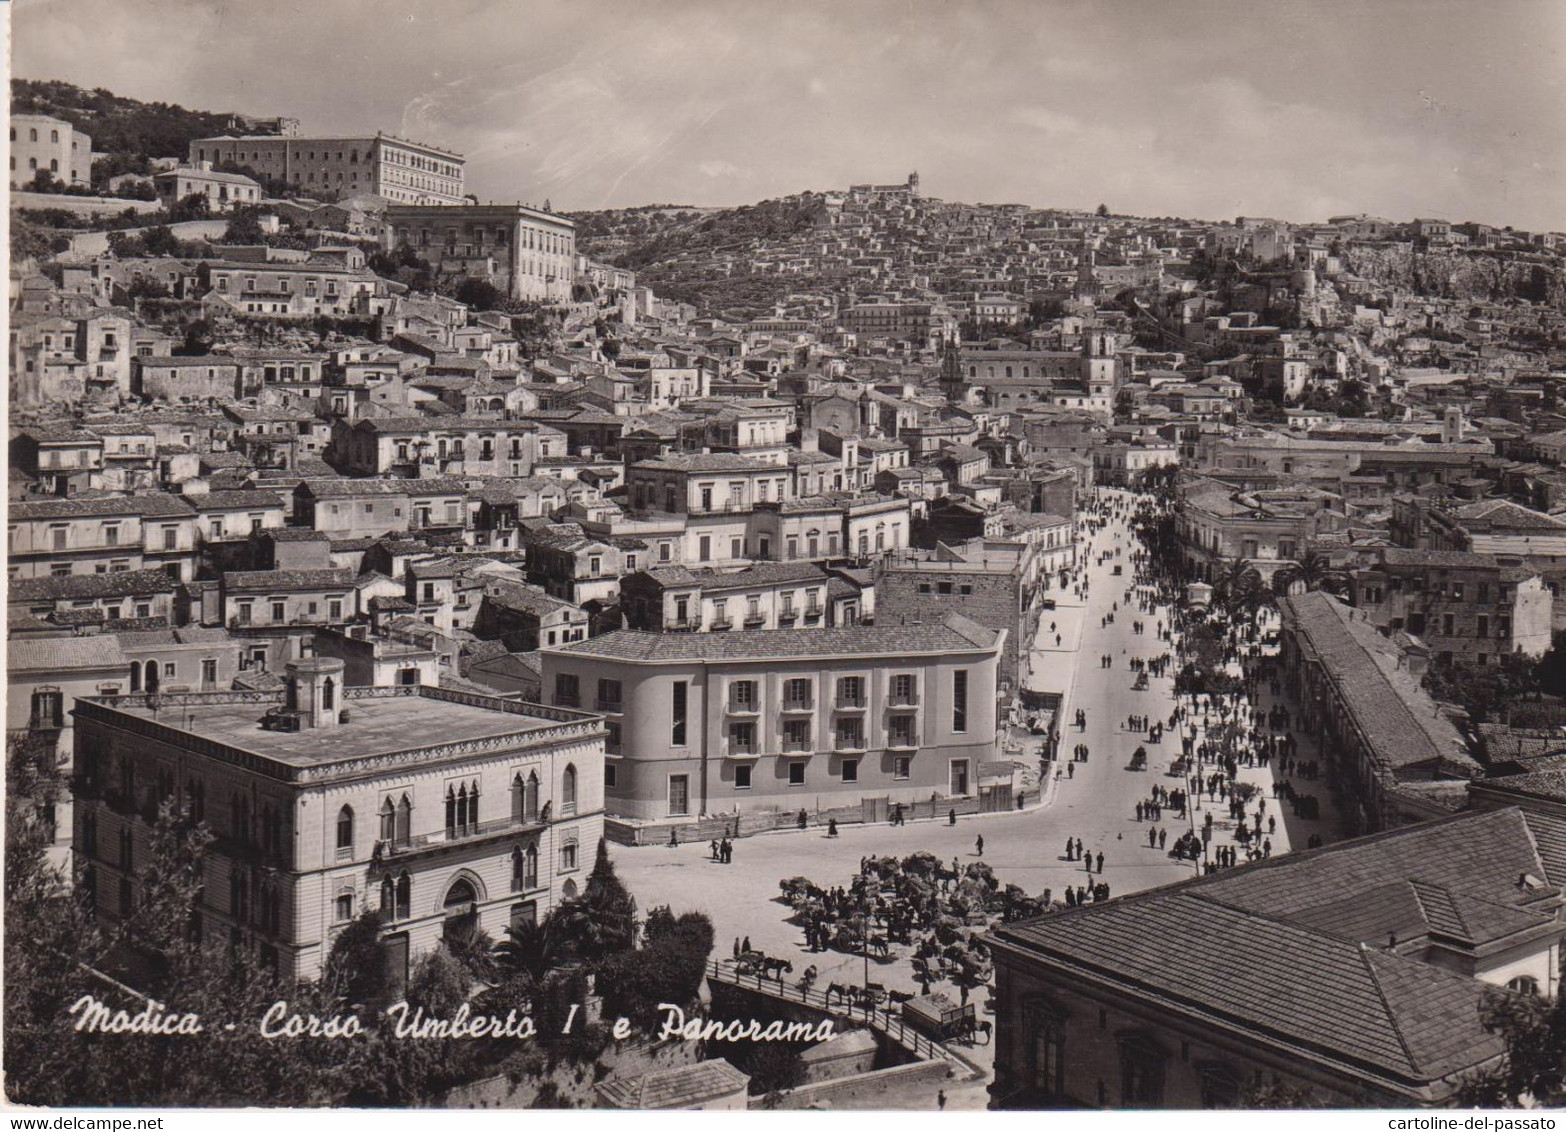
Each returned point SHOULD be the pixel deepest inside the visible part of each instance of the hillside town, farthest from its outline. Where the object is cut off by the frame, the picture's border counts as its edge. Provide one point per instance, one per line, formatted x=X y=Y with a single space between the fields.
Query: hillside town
x=461 y=568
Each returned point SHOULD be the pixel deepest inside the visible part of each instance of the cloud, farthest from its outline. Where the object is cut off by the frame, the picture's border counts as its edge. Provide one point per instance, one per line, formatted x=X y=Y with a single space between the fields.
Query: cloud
x=1045 y=120
x=721 y=168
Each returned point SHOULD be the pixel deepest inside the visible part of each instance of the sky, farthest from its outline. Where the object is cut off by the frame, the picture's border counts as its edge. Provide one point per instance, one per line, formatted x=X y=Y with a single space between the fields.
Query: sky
x=1294 y=109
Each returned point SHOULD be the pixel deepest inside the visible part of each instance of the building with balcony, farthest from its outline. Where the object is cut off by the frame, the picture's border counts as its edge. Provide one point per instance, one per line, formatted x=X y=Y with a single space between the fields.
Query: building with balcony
x=356 y=508
x=1474 y=608
x=783 y=595
x=451 y=813
x=528 y=253
x=789 y=719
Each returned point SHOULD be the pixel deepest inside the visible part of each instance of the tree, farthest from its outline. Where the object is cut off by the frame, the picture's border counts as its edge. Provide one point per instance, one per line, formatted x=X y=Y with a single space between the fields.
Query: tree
x=602 y=921
x=1102 y=210
x=160 y=240
x=1533 y=1070
x=244 y=227
x=669 y=967
x=480 y=294
x=194 y=206
x=1315 y=571
x=531 y=950
x=198 y=338
x=355 y=969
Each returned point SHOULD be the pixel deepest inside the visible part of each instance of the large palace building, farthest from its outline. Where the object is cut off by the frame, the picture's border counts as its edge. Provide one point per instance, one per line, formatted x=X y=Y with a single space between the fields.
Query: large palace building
x=402 y=171
x=448 y=811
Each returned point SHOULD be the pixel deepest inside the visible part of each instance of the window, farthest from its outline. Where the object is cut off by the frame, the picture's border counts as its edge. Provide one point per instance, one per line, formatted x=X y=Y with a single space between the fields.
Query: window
x=704 y=549
x=900 y=732
x=279 y=611
x=850 y=732
x=566 y=691
x=1483 y=627
x=344 y=909
x=960 y=700
x=850 y=692
x=1524 y=984
x=568 y=791
x=743 y=738
x=796 y=773
x=901 y=765
x=678 y=709
x=850 y=770
x=796 y=695
x=1447 y=622
x=568 y=857
x=609 y=695
x=1141 y=1072
x=742 y=695
x=345 y=830
x=904 y=689
x=48 y=709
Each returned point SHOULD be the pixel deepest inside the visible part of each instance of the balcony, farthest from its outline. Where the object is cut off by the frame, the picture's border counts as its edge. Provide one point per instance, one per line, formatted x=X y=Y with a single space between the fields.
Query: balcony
x=799 y=705
x=567 y=699
x=812 y=616
x=755 y=620
x=897 y=742
x=610 y=705
x=903 y=699
x=719 y=624
x=849 y=744
x=846 y=702
x=787 y=617
x=682 y=624
x=459 y=836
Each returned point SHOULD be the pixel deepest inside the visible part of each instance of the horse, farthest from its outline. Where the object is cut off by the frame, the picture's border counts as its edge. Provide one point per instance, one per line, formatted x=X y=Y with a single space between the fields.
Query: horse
x=775 y=968
x=838 y=990
x=878 y=944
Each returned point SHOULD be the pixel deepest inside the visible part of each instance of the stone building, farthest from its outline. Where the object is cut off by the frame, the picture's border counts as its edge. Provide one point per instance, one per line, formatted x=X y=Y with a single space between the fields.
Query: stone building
x=450 y=812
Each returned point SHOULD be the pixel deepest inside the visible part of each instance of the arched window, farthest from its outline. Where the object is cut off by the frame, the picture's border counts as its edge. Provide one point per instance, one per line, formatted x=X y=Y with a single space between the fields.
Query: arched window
x=568 y=790
x=1524 y=984
x=32 y=135
x=518 y=798
x=388 y=821
x=568 y=890
x=388 y=897
x=135 y=677
x=451 y=808
x=151 y=681
x=530 y=867
x=530 y=813
x=460 y=897
x=404 y=819
x=329 y=694
x=345 y=828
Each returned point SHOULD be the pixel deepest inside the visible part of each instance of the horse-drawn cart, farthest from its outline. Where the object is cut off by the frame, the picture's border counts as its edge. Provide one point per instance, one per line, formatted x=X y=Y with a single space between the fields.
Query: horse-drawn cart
x=940 y=1017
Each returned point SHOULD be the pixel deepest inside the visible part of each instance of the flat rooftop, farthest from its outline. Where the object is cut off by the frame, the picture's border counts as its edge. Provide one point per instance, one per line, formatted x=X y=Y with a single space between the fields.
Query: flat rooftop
x=378 y=724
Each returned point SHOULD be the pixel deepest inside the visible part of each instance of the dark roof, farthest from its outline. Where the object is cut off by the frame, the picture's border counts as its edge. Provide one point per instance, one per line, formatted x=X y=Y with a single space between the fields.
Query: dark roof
x=151 y=504
x=955 y=634
x=119 y=583
x=340 y=487
x=1295 y=949
x=707 y=462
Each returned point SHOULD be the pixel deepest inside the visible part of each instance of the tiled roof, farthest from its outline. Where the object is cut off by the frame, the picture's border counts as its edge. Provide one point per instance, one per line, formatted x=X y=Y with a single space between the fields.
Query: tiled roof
x=1398 y=719
x=1292 y=949
x=955 y=634
x=120 y=583
x=44 y=654
x=224 y=500
x=279 y=580
x=706 y=462
x=151 y=504
x=682 y=1087
x=339 y=488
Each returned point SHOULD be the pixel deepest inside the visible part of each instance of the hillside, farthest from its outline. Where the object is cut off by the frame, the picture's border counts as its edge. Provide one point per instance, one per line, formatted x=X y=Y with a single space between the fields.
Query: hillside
x=117 y=124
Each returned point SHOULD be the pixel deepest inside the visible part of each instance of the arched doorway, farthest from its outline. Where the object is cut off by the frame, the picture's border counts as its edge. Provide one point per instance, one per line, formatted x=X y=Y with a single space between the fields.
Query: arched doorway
x=150 y=683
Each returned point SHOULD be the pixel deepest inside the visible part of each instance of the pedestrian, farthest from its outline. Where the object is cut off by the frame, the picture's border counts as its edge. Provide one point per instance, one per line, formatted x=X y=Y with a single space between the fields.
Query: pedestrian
x=736 y=947
x=940 y=1099
x=1101 y=863
x=831 y=827
x=714 y=848
x=979 y=845
x=951 y=816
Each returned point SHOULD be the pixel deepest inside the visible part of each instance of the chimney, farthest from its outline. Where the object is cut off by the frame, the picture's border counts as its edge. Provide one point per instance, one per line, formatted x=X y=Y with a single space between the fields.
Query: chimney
x=315 y=690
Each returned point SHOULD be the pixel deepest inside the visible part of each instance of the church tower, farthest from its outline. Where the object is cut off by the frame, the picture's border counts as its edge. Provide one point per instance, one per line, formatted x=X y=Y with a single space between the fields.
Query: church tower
x=1087 y=284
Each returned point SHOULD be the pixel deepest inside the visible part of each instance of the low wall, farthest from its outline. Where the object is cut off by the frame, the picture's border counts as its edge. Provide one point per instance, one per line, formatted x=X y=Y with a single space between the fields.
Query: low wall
x=576 y=1083
x=625 y=831
x=82 y=206
x=863 y=1090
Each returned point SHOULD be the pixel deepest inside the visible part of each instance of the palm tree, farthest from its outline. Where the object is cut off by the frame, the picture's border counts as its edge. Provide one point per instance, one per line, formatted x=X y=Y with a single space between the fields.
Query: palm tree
x=1315 y=571
x=531 y=949
x=1236 y=584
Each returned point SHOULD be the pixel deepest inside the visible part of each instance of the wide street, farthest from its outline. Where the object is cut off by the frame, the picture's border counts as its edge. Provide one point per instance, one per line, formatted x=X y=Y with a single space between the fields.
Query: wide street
x=1095 y=803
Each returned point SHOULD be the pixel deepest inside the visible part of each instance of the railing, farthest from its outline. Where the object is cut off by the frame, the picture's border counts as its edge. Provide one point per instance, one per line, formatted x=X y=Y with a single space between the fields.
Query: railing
x=755 y=619
x=456 y=835
x=850 y=702
x=679 y=623
x=877 y=1018
x=721 y=623
x=799 y=705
